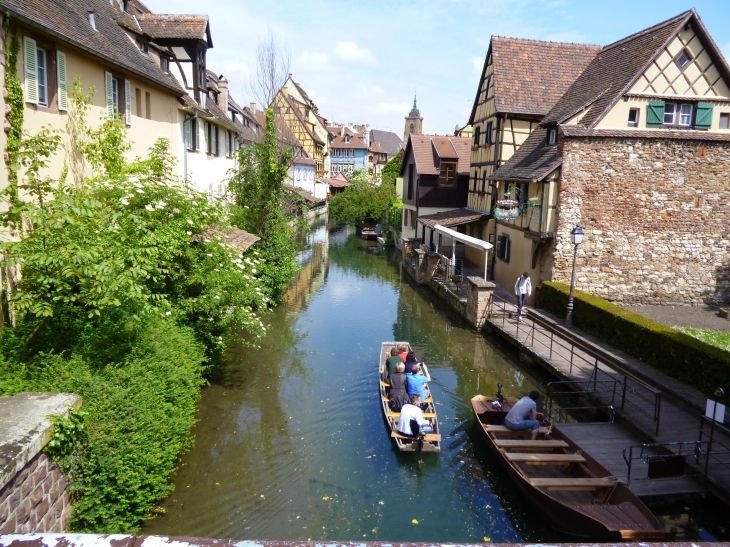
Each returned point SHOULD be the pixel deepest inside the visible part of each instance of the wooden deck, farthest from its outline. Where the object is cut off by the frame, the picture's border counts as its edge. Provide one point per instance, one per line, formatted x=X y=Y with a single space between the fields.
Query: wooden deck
x=567 y=360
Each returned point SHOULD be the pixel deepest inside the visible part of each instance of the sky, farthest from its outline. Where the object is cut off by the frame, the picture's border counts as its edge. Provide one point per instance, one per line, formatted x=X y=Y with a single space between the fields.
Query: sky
x=362 y=62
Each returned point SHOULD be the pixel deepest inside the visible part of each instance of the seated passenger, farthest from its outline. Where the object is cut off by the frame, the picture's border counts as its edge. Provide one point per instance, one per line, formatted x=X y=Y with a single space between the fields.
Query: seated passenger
x=524 y=415
x=411 y=422
x=391 y=362
x=398 y=393
x=403 y=352
x=410 y=361
x=417 y=382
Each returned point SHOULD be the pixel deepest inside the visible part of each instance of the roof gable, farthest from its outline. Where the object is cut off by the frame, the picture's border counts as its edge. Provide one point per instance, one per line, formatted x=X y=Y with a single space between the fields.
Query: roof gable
x=428 y=160
x=613 y=71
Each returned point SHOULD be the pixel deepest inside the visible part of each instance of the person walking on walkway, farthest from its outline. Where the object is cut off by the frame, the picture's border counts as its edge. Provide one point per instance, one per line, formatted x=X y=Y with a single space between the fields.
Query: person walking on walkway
x=523 y=289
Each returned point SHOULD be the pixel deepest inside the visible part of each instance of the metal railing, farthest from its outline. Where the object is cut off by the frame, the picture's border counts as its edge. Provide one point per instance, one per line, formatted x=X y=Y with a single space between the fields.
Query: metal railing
x=560 y=413
x=718 y=453
x=584 y=363
x=664 y=460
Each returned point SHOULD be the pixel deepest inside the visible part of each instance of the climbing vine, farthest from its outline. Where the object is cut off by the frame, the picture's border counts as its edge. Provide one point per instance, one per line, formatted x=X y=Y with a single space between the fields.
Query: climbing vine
x=15 y=118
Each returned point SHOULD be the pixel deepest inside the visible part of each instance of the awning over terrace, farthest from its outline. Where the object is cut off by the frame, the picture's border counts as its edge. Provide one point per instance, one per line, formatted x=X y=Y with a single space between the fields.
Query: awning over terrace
x=466 y=240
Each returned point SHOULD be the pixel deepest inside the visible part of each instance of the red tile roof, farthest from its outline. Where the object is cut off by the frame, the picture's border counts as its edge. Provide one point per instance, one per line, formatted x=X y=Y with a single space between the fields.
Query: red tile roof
x=689 y=134
x=453 y=217
x=423 y=147
x=355 y=143
x=182 y=27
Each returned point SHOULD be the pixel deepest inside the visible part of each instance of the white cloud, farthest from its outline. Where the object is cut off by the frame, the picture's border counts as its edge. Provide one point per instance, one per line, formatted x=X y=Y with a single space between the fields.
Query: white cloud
x=477 y=63
x=350 y=51
x=312 y=60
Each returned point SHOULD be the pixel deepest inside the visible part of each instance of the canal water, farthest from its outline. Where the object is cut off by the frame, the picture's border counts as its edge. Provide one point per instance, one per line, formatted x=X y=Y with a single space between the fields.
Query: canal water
x=291 y=442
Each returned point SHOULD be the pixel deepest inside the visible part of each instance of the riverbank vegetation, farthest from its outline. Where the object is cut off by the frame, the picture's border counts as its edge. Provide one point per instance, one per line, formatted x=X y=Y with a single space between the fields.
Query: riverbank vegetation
x=364 y=198
x=128 y=297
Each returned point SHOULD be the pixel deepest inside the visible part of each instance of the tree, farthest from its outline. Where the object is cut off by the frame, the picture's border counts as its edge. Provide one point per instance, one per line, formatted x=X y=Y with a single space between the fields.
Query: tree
x=391 y=170
x=363 y=198
x=272 y=70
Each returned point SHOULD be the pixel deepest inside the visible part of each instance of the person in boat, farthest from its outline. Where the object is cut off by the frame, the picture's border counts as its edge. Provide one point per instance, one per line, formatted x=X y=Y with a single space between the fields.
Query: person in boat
x=411 y=422
x=417 y=381
x=411 y=361
x=524 y=415
x=398 y=394
x=391 y=362
x=403 y=352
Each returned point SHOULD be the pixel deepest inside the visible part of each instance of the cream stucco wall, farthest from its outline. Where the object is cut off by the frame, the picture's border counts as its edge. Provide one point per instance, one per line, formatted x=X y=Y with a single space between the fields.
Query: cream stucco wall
x=142 y=132
x=207 y=172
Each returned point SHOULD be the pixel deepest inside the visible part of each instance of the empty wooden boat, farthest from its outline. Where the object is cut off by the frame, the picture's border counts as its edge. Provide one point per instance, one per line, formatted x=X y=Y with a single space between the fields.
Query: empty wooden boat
x=573 y=491
x=431 y=441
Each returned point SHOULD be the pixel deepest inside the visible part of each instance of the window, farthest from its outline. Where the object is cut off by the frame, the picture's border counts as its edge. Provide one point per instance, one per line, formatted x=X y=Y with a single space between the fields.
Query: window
x=191 y=134
x=144 y=48
x=217 y=141
x=552 y=136
x=725 y=121
x=633 y=117
x=488 y=140
x=138 y=101
x=42 y=68
x=503 y=247
x=165 y=65
x=447 y=176
x=678 y=114
x=476 y=136
x=148 y=105
x=410 y=182
x=115 y=96
x=209 y=143
x=92 y=20
x=683 y=58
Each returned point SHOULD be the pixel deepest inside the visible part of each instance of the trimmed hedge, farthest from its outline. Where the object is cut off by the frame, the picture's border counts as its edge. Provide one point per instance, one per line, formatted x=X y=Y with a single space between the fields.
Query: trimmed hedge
x=676 y=354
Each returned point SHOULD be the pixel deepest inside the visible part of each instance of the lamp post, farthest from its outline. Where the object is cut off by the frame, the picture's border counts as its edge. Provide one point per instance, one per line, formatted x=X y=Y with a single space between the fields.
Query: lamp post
x=576 y=236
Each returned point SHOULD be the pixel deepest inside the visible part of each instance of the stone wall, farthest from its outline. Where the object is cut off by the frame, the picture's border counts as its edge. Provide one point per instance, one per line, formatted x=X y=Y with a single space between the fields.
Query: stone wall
x=657 y=219
x=35 y=500
x=33 y=495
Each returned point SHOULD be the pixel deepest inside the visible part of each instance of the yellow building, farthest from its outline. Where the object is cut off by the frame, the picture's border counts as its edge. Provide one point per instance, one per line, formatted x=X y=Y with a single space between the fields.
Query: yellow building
x=520 y=82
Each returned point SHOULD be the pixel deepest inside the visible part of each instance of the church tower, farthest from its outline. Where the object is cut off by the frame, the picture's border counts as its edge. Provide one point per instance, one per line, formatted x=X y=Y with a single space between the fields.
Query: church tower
x=414 y=122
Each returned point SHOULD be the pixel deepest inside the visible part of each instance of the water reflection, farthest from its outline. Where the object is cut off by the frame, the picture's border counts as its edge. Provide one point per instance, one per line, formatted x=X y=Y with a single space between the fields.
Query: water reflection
x=291 y=444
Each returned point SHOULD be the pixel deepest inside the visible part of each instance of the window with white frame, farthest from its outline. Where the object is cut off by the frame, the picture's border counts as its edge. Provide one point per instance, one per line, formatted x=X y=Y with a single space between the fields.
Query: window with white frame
x=683 y=59
x=678 y=114
x=115 y=96
x=633 y=117
x=42 y=76
x=552 y=136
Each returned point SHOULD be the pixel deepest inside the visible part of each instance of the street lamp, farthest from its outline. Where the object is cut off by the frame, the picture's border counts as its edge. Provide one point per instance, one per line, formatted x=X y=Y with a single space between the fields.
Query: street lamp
x=576 y=236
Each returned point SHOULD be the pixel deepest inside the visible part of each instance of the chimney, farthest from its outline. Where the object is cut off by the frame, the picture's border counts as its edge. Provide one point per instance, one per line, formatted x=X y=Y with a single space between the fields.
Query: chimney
x=252 y=106
x=223 y=94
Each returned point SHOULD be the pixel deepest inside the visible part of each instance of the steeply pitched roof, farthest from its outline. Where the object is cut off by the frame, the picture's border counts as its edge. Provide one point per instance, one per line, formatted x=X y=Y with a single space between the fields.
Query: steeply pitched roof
x=68 y=20
x=424 y=149
x=375 y=148
x=298 y=113
x=610 y=74
x=388 y=140
x=531 y=75
x=175 y=27
x=355 y=143
x=533 y=161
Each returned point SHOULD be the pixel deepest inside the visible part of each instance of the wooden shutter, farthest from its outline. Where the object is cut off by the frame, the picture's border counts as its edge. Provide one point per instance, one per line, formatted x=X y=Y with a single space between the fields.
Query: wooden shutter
x=227 y=144
x=188 y=133
x=655 y=113
x=127 y=103
x=109 y=85
x=62 y=86
x=704 y=116
x=31 y=70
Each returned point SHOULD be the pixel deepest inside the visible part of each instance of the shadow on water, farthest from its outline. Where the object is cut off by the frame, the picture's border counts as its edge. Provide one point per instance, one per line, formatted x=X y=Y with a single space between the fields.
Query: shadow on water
x=291 y=443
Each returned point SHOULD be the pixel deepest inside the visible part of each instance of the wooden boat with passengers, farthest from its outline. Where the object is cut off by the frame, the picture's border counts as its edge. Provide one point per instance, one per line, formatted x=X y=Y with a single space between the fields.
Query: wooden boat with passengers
x=431 y=441
x=575 y=493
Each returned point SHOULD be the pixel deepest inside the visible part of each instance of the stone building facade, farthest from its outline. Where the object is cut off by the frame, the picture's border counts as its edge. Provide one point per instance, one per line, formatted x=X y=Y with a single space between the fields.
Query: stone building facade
x=35 y=500
x=657 y=219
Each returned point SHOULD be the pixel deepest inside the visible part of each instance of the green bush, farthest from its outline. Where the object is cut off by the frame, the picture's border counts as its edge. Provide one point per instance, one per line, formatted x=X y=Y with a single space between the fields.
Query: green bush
x=138 y=412
x=676 y=354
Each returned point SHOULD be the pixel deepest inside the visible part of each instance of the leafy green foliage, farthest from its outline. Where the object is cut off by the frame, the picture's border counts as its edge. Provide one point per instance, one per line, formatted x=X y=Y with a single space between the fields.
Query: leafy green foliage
x=391 y=170
x=701 y=365
x=363 y=199
x=68 y=433
x=719 y=339
x=16 y=103
x=262 y=206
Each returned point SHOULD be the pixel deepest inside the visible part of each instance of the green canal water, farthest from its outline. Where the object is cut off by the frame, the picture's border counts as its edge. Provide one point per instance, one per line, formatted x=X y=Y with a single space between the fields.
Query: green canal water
x=291 y=442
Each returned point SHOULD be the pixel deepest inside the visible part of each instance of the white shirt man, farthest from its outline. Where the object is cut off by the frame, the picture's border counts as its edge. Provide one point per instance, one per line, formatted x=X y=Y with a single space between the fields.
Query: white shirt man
x=523 y=289
x=412 y=412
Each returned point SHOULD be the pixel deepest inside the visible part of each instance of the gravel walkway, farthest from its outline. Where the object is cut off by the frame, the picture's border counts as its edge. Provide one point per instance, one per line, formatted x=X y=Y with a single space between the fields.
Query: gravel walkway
x=699 y=317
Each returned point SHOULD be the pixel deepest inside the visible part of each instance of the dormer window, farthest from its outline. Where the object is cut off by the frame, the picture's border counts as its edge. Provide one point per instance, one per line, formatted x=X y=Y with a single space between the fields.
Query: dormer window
x=165 y=64
x=683 y=59
x=92 y=20
x=144 y=48
x=552 y=136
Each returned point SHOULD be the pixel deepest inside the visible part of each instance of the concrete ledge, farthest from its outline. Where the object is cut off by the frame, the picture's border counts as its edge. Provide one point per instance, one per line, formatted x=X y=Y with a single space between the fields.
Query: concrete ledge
x=25 y=429
x=98 y=540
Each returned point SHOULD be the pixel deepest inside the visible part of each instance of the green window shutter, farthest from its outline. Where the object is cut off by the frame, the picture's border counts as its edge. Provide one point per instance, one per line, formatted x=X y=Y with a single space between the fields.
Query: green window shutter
x=109 y=86
x=127 y=103
x=704 y=116
x=62 y=86
x=655 y=113
x=30 y=59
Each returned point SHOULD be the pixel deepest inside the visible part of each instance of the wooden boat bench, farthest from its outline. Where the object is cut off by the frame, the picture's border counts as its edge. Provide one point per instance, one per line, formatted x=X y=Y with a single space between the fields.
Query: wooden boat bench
x=519 y=444
x=504 y=429
x=429 y=437
x=572 y=483
x=429 y=400
x=544 y=459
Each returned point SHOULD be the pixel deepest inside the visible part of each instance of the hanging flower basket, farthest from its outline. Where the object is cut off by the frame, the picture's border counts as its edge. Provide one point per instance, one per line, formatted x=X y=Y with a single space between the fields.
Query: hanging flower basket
x=507 y=203
x=533 y=202
x=506 y=214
